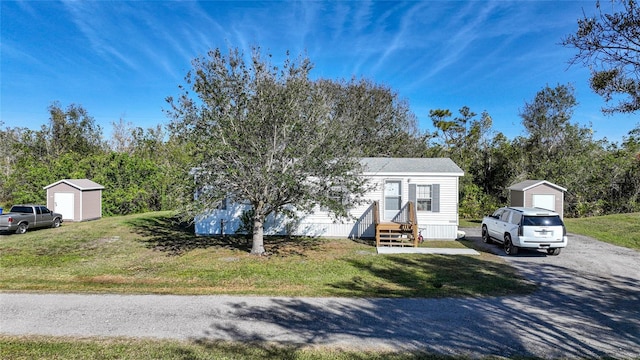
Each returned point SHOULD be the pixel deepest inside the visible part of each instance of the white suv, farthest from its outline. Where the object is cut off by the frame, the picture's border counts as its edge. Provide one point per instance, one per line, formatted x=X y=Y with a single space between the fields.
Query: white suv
x=532 y=228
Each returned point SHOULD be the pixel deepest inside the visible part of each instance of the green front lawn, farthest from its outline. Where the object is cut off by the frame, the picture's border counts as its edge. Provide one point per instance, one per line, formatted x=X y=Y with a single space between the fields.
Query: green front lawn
x=618 y=229
x=38 y=347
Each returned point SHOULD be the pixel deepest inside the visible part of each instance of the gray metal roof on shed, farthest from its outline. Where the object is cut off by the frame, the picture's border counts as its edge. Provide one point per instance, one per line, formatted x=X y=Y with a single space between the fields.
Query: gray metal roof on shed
x=80 y=184
x=411 y=165
x=528 y=184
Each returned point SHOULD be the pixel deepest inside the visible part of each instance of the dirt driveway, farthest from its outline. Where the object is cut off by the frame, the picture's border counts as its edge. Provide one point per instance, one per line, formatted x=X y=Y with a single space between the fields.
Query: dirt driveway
x=589 y=297
x=588 y=305
x=584 y=257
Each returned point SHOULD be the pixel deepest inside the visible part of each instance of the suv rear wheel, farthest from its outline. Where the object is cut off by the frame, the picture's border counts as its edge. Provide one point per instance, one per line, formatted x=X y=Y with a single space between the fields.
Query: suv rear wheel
x=509 y=248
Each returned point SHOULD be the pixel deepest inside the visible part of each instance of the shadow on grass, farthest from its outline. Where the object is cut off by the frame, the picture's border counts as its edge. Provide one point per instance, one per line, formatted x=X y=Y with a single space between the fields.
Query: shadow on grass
x=364 y=241
x=433 y=276
x=175 y=237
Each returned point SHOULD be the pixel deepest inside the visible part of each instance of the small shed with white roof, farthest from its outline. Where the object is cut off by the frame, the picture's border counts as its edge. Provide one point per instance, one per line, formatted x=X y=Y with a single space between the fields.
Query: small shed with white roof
x=75 y=199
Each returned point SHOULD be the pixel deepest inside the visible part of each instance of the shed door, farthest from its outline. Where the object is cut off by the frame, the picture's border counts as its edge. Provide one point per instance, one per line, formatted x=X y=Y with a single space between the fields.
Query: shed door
x=546 y=201
x=63 y=203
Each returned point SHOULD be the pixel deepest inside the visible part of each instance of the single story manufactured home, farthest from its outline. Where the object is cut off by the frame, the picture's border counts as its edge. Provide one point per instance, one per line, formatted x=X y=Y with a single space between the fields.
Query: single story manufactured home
x=418 y=196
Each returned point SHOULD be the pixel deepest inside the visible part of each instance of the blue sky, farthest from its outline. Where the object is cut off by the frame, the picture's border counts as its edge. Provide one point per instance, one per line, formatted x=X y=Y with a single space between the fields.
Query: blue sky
x=121 y=59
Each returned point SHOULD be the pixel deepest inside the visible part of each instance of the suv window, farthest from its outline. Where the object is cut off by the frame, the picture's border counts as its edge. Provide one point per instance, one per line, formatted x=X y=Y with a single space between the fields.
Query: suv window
x=541 y=221
x=505 y=216
x=516 y=217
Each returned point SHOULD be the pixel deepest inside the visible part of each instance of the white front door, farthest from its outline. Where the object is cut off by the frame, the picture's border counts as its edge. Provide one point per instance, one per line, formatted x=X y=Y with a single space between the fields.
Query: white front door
x=63 y=203
x=392 y=199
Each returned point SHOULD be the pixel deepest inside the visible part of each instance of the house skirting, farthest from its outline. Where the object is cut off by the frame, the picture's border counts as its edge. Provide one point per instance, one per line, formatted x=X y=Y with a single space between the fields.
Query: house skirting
x=214 y=224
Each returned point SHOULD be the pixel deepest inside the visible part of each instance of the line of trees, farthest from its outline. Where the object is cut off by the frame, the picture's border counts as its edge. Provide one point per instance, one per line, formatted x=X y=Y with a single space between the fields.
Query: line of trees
x=152 y=169
x=137 y=166
x=601 y=177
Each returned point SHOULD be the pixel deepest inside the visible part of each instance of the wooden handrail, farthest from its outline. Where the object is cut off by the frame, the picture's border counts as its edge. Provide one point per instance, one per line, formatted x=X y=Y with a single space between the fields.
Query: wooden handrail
x=413 y=219
x=412 y=213
x=376 y=222
x=376 y=213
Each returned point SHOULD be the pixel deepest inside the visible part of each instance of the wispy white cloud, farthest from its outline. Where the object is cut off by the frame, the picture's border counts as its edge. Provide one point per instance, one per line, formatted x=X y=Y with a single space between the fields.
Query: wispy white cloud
x=11 y=50
x=464 y=28
x=200 y=31
x=147 y=37
x=369 y=29
x=90 y=19
x=27 y=7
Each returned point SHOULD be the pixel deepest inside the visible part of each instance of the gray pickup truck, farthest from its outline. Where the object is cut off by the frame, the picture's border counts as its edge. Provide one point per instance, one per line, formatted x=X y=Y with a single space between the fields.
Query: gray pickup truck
x=23 y=217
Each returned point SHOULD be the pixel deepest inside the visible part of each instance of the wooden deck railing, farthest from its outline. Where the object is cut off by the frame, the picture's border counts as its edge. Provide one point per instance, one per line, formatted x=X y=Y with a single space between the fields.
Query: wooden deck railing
x=403 y=231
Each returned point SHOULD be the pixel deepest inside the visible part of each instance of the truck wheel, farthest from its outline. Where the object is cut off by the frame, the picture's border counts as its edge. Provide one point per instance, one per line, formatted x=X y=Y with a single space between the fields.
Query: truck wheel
x=485 y=235
x=56 y=223
x=22 y=228
x=509 y=248
x=555 y=251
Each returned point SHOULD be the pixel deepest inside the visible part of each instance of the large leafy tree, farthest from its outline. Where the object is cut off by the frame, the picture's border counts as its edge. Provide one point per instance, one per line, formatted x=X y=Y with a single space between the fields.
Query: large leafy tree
x=264 y=134
x=546 y=120
x=547 y=123
x=609 y=44
x=73 y=130
x=562 y=152
x=9 y=141
x=465 y=139
x=379 y=122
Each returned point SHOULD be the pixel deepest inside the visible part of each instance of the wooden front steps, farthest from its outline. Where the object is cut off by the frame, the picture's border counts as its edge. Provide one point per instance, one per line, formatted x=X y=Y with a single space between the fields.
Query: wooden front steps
x=396 y=233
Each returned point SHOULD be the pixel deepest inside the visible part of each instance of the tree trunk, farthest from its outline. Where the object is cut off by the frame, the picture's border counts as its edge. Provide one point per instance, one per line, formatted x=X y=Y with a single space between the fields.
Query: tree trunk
x=257 y=247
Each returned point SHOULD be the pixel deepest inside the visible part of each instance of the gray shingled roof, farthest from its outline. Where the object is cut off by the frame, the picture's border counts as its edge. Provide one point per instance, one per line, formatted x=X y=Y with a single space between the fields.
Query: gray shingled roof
x=80 y=184
x=527 y=184
x=411 y=165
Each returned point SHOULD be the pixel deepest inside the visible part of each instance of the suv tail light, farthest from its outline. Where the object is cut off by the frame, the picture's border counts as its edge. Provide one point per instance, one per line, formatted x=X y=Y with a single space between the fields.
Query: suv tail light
x=520 y=230
x=564 y=230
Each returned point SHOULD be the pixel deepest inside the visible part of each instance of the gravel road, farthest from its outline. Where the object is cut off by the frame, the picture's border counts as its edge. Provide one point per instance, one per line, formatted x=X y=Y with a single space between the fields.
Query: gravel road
x=588 y=305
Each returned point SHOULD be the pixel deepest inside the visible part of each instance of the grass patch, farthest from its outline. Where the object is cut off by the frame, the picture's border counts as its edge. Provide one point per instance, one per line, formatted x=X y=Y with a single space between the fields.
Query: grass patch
x=153 y=253
x=37 y=347
x=445 y=244
x=618 y=229
x=469 y=223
